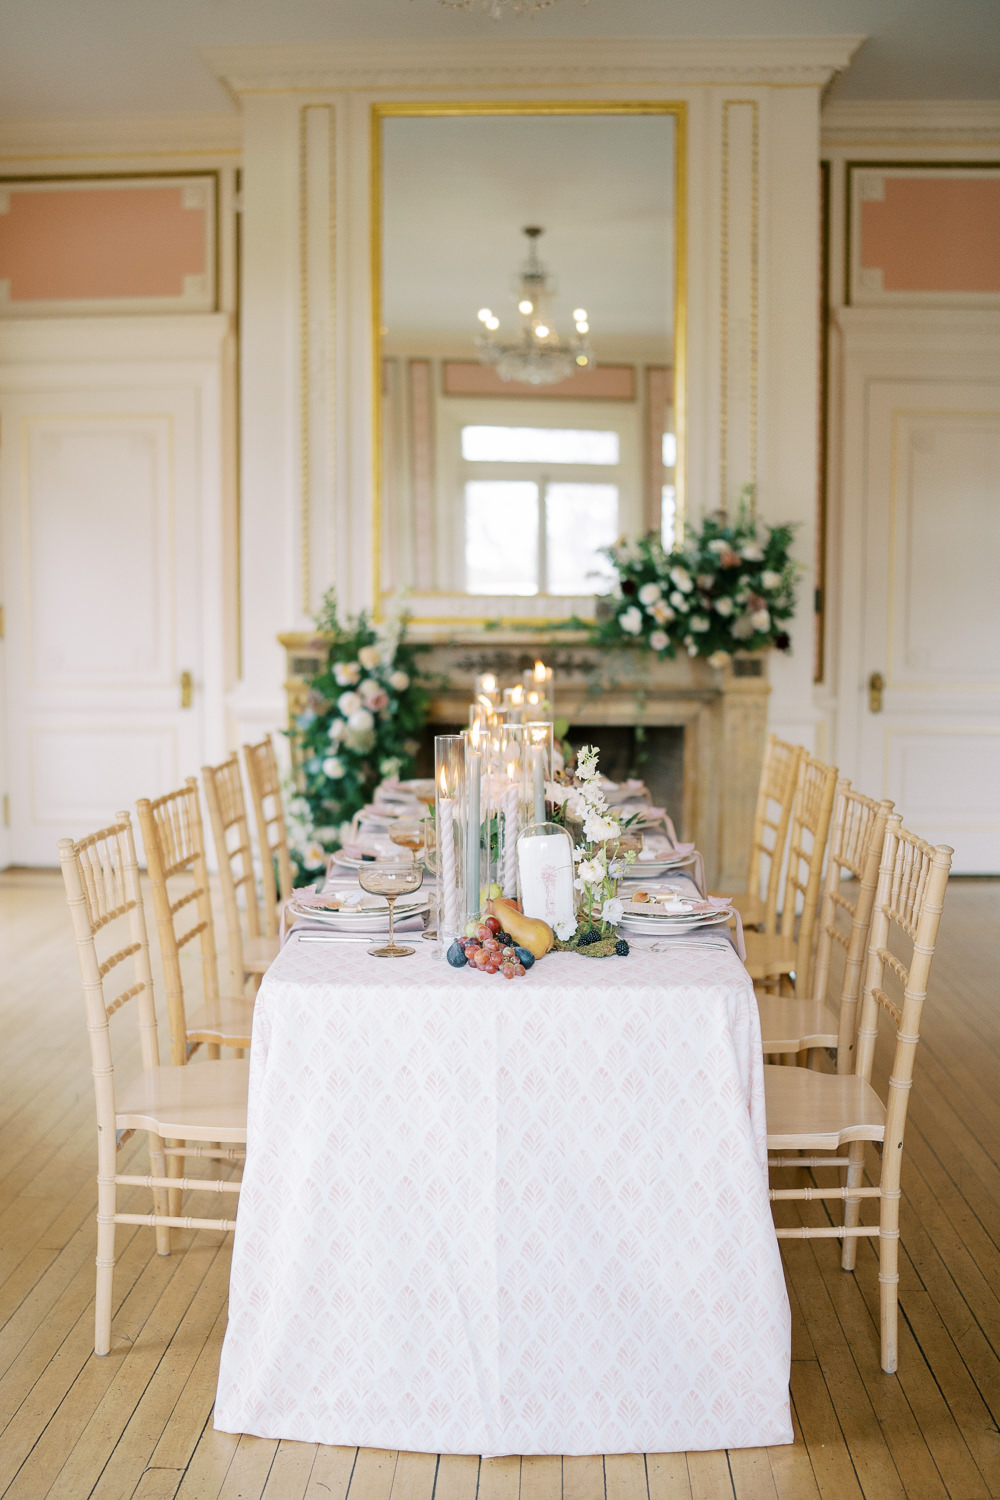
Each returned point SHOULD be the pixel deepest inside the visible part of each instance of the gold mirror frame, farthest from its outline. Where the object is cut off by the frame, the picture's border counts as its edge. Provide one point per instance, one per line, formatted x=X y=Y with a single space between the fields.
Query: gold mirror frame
x=379 y=112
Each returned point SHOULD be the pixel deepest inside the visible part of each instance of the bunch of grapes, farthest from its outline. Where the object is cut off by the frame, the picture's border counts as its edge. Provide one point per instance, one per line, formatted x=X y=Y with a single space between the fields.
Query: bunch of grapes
x=489 y=950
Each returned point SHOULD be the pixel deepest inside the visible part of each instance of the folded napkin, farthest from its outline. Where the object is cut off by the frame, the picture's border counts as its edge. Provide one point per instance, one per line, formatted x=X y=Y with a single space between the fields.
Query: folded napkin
x=292 y=920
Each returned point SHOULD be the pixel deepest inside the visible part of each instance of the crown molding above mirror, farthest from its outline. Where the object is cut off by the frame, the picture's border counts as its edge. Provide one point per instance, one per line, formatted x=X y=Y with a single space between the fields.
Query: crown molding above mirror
x=542 y=62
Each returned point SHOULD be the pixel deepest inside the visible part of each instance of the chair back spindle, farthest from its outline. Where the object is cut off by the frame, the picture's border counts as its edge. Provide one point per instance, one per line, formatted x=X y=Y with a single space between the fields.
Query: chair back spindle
x=227 y=814
x=264 y=781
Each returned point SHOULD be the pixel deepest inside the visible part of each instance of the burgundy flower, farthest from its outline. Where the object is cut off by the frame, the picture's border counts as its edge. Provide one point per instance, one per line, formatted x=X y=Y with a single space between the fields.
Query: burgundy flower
x=783 y=640
x=628 y=587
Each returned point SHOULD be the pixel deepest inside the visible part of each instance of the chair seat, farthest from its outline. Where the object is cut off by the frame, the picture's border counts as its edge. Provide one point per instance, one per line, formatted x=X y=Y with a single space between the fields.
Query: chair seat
x=203 y=1101
x=788 y=1025
x=769 y=954
x=819 y=1111
x=227 y=1020
x=259 y=954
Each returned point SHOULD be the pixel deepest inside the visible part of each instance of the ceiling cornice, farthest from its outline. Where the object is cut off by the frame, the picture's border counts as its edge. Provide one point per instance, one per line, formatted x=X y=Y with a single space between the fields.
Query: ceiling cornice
x=902 y=121
x=142 y=136
x=544 y=63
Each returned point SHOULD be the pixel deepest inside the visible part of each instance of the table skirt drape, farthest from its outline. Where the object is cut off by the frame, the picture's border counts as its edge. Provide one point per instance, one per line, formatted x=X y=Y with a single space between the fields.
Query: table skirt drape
x=491 y=1216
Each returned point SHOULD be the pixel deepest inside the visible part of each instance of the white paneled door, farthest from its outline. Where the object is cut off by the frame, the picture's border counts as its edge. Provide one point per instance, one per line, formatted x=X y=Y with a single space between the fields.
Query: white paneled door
x=929 y=713
x=107 y=504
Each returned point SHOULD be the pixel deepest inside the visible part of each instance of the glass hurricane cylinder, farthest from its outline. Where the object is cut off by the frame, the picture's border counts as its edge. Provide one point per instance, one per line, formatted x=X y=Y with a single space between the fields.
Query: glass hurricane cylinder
x=545 y=876
x=509 y=800
x=479 y=829
x=449 y=836
x=538 y=750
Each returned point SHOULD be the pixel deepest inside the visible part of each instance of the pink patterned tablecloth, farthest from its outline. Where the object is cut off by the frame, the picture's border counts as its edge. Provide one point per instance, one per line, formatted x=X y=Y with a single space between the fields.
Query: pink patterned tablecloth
x=507 y=1216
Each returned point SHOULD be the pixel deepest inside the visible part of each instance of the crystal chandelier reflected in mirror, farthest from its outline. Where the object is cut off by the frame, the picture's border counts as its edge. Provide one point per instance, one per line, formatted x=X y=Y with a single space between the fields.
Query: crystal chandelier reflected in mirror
x=539 y=356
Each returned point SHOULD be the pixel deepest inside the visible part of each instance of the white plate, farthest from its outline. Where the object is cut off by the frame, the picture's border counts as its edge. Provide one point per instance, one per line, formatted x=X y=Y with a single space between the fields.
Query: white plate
x=641 y=869
x=664 y=925
x=409 y=905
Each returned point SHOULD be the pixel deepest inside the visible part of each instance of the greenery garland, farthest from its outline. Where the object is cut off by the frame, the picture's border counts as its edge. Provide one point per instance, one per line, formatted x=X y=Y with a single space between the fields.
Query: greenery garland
x=730 y=587
x=364 y=715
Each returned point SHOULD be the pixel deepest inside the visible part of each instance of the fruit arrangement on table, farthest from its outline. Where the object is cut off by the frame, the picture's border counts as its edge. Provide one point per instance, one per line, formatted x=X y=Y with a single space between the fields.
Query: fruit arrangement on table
x=490 y=950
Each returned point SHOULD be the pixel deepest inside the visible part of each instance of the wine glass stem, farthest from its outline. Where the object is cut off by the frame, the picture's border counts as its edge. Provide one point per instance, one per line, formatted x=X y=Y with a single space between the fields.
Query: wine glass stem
x=392 y=936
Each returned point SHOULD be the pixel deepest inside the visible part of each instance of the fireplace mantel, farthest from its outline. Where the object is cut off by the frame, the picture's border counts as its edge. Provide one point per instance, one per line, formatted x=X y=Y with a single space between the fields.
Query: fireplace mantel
x=722 y=711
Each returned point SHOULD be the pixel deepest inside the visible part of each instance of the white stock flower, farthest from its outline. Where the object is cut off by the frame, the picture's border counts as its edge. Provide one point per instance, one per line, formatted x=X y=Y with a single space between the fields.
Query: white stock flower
x=586 y=762
x=649 y=593
x=761 y=619
x=589 y=872
x=770 y=579
x=659 y=640
x=612 y=910
x=681 y=579
x=361 y=720
x=596 y=828
x=630 y=620
x=556 y=793
x=334 y=767
x=661 y=612
x=724 y=606
x=348 y=702
x=370 y=657
x=399 y=681
x=576 y=806
x=347 y=673
x=565 y=929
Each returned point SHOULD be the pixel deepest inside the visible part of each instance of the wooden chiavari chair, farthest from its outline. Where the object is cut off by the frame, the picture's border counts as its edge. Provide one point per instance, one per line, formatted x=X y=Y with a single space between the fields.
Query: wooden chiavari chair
x=789 y=1025
x=773 y=955
x=823 y=1112
x=204 y=1104
x=250 y=953
x=174 y=844
x=264 y=781
x=772 y=815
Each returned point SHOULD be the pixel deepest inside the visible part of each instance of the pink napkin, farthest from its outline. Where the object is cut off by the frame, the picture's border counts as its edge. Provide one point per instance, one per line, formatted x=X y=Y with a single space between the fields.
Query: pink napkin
x=290 y=920
x=720 y=903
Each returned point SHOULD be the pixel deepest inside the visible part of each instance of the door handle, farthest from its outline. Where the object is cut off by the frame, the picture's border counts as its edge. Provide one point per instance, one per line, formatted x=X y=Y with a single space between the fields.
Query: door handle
x=187 y=689
x=876 y=684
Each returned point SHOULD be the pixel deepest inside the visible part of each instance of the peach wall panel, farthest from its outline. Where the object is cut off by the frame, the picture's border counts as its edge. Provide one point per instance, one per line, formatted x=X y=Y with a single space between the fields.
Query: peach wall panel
x=101 y=243
x=934 y=234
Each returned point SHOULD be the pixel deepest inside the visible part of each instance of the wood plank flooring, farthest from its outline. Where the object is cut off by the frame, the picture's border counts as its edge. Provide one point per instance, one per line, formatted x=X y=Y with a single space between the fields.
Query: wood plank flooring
x=138 y=1423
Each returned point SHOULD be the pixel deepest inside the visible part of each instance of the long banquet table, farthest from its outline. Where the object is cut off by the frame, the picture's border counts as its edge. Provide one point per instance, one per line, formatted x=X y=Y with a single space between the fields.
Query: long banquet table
x=507 y=1216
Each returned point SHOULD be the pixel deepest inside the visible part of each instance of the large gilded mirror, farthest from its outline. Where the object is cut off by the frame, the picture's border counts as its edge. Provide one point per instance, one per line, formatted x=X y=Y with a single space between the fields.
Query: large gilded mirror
x=529 y=317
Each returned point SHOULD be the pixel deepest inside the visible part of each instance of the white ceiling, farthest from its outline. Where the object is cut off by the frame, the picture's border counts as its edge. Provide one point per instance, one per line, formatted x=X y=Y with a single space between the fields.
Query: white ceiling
x=458 y=192
x=65 y=59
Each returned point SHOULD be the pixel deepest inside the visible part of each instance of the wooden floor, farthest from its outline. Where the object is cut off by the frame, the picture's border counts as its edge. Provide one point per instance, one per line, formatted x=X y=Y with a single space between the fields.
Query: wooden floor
x=139 y=1422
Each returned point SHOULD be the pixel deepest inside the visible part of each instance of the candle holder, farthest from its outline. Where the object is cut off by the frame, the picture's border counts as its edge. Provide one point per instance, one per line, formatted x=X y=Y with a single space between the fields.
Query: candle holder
x=545 y=876
x=478 y=820
x=538 y=752
x=513 y=704
x=538 y=687
x=449 y=837
x=509 y=800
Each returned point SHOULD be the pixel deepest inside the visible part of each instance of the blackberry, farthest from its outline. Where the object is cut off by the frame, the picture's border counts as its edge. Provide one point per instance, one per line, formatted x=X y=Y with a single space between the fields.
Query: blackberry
x=621 y=948
x=504 y=939
x=593 y=936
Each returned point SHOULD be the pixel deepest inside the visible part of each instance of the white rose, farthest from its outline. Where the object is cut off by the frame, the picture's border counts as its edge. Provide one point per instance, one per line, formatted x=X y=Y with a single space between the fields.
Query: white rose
x=752 y=552
x=370 y=656
x=333 y=767
x=347 y=673
x=718 y=658
x=718 y=545
x=741 y=628
x=760 y=619
x=348 y=703
x=681 y=579
x=630 y=620
x=361 y=721
x=337 y=730
x=399 y=681
x=661 y=612
x=659 y=640
x=390 y=767
x=649 y=593
x=679 y=602
x=724 y=606
x=698 y=622
x=313 y=855
x=769 y=579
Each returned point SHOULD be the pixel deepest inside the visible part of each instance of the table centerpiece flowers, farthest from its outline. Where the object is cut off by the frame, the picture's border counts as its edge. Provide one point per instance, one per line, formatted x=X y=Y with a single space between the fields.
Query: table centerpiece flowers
x=729 y=587
x=365 y=710
x=600 y=862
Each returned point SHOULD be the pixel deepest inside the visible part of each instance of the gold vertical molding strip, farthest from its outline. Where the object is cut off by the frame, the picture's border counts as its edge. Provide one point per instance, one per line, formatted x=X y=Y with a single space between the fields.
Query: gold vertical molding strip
x=725 y=290
x=322 y=341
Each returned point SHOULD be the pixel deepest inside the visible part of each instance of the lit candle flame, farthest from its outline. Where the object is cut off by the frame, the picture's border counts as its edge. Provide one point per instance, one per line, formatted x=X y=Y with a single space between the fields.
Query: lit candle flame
x=511 y=768
x=517 y=695
x=474 y=735
x=539 y=671
x=489 y=683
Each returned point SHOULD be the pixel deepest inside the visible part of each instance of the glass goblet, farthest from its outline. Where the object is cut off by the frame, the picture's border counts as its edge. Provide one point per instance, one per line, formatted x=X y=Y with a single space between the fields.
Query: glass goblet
x=408 y=833
x=391 y=878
